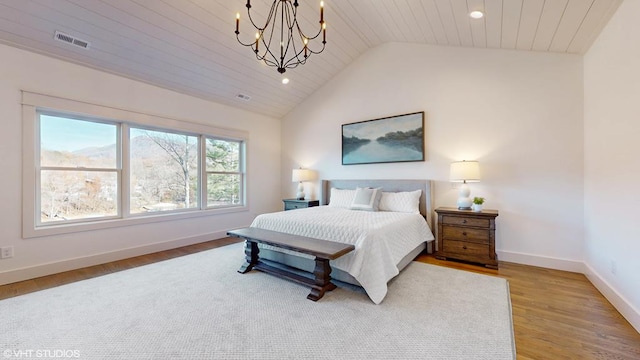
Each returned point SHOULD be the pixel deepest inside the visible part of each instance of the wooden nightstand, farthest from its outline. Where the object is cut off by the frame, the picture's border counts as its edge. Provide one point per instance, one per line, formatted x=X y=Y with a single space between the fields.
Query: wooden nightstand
x=467 y=235
x=291 y=204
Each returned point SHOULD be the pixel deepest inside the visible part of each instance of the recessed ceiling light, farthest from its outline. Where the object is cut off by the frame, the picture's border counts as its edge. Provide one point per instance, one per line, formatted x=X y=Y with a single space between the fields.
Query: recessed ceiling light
x=285 y=81
x=476 y=14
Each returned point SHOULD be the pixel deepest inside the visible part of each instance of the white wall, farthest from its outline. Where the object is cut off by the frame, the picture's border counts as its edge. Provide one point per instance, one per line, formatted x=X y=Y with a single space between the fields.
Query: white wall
x=612 y=165
x=518 y=113
x=23 y=70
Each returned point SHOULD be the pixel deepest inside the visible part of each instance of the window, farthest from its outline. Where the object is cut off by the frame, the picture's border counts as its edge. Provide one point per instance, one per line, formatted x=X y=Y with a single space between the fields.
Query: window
x=98 y=167
x=79 y=169
x=224 y=173
x=164 y=171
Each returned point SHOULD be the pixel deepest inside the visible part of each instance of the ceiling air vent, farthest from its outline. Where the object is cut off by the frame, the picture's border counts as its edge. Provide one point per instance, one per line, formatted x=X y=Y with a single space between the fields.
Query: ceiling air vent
x=71 y=40
x=243 y=97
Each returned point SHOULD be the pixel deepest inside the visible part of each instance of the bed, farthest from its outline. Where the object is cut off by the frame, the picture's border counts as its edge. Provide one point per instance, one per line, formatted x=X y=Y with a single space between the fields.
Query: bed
x=385 y=241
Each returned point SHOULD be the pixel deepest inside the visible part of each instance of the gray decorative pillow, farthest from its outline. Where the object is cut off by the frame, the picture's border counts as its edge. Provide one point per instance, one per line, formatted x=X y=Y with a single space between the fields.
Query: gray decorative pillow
x=367 y=199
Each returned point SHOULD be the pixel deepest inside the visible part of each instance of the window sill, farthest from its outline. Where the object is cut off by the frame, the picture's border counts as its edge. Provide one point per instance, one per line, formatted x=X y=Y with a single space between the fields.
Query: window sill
x=62 y=228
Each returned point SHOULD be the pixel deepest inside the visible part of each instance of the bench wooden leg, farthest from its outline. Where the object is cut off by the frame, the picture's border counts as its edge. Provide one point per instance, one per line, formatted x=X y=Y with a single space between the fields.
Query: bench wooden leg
x=323 y=283
x=251 y=255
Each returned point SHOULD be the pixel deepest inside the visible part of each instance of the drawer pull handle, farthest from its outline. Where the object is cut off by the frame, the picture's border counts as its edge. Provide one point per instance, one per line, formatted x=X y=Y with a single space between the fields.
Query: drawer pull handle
x=464 y=233
x=464 y=247
x=464 y=221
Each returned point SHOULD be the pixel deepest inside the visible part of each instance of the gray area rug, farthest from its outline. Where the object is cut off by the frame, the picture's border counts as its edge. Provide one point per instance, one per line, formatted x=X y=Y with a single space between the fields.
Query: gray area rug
x=199 y=307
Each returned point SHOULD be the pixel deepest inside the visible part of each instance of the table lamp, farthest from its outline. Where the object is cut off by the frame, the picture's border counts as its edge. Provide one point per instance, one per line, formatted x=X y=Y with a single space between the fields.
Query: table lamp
x=300 y=175
x=464 y=172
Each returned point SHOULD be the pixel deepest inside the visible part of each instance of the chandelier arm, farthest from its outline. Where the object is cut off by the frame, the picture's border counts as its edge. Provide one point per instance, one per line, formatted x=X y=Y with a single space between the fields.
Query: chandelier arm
x=318 y=51
x=290 y=41
x=243 y=44
x=268 y=45
x=284 y=9
x=268 y=56
x=296 y=59
x=260 y=30
x=309 y=37
x=266 y=23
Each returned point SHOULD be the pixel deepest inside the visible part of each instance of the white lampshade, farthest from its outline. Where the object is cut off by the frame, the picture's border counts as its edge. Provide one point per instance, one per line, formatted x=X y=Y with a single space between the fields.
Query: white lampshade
x=299 y=175
x=464 y=171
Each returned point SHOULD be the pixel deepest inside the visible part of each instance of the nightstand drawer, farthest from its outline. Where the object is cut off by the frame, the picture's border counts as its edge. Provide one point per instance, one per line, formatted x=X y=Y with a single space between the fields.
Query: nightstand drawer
x=465 y=221
x=290 y=206
x=465 y=234
x=466 y=250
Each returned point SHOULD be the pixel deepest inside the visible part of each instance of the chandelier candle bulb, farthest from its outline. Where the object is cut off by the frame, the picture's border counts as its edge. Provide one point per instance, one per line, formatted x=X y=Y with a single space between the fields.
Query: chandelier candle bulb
x=324 y=32
x=306 y=41
x=321 y=11
x=257 y=40
x=238 y=23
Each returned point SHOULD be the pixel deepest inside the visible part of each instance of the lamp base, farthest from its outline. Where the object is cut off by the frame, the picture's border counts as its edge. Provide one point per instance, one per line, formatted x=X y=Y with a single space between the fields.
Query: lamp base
x=300 y=194
x=464 y=200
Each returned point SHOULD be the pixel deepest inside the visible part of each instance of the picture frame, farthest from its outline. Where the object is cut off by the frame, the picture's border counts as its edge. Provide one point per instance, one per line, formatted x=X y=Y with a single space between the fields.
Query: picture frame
x=398 y=138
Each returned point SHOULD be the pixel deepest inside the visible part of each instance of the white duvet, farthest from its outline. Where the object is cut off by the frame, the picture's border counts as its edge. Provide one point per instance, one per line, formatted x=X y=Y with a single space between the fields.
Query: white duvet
x=381 y=239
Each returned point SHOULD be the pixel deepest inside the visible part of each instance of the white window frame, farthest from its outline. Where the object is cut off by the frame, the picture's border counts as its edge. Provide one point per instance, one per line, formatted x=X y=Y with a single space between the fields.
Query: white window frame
x=40 y=168
x=33 y=103
x=241 y=171
x=199 y=153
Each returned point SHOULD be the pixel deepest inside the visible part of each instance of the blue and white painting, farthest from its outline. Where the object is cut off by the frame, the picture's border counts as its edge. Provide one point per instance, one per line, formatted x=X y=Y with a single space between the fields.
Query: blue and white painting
x=393 y=139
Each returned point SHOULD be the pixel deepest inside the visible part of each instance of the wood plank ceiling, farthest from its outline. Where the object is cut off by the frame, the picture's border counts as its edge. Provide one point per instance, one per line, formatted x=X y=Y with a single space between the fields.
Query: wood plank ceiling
x=189 y=45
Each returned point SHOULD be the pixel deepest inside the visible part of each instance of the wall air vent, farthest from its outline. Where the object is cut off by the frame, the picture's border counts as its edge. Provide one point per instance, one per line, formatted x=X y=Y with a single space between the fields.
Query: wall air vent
x=66 y=38
x=243 y=97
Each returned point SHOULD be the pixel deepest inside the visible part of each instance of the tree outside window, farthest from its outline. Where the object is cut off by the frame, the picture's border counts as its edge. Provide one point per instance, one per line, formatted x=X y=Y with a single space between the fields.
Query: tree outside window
x=224 y=173
x=164 y=171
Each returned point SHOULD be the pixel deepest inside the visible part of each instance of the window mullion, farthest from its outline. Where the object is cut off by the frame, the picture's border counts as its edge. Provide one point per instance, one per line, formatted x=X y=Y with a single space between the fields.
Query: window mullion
x=202 y=172
x=124 y=162
x=242 y=168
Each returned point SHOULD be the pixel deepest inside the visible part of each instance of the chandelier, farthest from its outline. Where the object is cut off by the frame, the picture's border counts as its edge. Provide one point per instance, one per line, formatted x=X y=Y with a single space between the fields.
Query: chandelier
x=280 y=42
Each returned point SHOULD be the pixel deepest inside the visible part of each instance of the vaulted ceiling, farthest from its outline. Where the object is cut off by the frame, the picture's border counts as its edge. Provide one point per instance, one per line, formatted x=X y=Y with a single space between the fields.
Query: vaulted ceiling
x=189 y=45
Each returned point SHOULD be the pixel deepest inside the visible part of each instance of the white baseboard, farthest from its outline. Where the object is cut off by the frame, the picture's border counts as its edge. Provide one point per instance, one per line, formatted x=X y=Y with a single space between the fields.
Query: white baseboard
x=618 y=301
x=31 y=272
x=624 y=307
x=541 y=261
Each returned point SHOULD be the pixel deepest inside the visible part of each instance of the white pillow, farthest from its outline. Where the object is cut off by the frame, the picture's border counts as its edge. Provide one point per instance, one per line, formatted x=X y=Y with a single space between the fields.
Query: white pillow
x=406 y=201
x=341 y=197
x=367 y=199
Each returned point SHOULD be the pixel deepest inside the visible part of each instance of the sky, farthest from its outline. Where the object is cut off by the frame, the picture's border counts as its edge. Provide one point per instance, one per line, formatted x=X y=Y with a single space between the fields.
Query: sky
x=62 y=134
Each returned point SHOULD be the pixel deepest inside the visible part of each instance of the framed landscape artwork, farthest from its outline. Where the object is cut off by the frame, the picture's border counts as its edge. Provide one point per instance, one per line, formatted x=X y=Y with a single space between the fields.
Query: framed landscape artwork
x=392 y=139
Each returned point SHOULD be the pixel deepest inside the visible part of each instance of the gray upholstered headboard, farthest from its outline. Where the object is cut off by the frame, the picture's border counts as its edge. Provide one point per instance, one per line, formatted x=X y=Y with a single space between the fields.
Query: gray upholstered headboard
x=426 y=199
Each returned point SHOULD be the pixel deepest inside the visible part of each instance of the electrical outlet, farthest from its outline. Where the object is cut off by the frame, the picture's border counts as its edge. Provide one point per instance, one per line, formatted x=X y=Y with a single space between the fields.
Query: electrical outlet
x=6 y=252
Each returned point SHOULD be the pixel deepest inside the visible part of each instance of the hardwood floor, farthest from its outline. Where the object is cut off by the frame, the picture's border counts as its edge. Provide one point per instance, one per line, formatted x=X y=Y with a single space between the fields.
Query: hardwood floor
x=556 y=314
x=559 y=314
